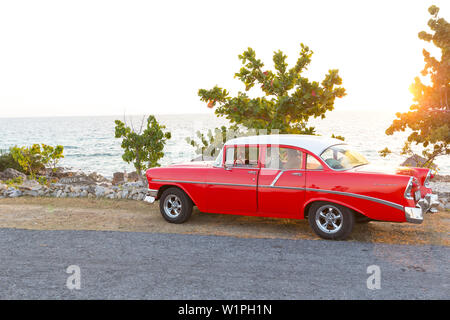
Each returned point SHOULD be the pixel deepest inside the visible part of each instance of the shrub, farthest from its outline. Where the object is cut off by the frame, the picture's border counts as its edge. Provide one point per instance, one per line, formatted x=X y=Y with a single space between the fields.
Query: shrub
x=7 y=161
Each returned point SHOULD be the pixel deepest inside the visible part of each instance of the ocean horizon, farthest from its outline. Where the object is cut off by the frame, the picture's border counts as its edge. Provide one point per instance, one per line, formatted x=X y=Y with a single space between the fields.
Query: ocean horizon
x=90 y=145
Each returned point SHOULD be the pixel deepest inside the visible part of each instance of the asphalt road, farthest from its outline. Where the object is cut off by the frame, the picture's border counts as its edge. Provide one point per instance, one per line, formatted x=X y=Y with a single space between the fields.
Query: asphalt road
x=123 y=265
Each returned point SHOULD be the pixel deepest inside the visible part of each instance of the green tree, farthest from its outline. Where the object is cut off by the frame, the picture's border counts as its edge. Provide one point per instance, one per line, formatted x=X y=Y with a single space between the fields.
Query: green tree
x=7 y=161
x=429 y=116
x=289 y=100
x=52 y=155
x=142 y=148
x=33 y=159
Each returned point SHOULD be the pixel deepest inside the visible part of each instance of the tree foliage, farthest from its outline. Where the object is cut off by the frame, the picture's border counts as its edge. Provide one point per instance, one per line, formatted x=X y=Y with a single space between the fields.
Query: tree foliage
x=142 y=148
x=33 y=159
x=52 y=155
x=210 y=145
x=289 y=100
x=7 y=161
x=429 y=116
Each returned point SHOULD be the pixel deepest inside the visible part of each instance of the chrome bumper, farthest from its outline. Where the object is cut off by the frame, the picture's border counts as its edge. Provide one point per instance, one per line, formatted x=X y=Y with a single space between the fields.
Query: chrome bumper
x=151 y=195
x=152 y=192
x=429 y=203
x=432 y=201
x=414 y=215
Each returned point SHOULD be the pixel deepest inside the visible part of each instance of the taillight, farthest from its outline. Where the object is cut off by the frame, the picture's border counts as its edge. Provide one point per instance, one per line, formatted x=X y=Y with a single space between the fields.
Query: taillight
x=426 y=183
x=409 y=187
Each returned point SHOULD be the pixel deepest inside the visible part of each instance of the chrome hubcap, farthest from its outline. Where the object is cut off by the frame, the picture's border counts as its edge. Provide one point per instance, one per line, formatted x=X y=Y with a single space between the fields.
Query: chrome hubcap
x=172 y=206
x=329 y=219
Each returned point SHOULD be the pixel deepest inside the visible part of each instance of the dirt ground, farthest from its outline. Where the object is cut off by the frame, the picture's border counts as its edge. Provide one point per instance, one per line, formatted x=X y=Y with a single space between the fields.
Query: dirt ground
x=129 y=215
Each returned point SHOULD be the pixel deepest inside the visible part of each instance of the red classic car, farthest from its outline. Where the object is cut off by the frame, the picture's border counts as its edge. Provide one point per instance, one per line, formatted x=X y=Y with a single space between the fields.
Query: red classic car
x=294 y=176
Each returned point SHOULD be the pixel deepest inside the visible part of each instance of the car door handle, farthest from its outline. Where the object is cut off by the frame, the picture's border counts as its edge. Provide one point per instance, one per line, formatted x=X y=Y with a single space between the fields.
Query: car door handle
x=297 y=174
x=252 y=172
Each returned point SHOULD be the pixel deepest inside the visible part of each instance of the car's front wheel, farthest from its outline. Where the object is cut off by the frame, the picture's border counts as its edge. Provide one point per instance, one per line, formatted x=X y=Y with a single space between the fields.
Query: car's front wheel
x=175 y=205
x=330 y=220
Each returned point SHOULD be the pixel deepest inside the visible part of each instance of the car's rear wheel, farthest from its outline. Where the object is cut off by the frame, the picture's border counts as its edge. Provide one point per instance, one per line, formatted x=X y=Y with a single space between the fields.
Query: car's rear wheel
x=175 y=205
x=330 y=220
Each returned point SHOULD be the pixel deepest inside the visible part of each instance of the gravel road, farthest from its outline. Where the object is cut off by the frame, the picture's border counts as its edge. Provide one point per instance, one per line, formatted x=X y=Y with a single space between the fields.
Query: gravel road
x=134 y=265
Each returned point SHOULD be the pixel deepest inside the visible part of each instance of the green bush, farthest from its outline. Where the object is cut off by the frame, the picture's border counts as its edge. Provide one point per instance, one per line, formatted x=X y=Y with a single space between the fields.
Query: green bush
x=14 y=182
x=7 y=161
x=142 y=148
x=33 y=159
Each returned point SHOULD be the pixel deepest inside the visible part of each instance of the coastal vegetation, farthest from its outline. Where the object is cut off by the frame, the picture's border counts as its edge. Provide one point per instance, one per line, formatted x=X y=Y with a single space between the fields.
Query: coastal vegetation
x=35 y=158
x=7 y=161
x=288 y=99
x=428 y=118
x=143 y=148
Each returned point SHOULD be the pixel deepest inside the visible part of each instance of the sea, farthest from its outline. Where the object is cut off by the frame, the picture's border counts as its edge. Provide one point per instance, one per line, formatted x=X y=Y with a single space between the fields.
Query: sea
x=90 y=145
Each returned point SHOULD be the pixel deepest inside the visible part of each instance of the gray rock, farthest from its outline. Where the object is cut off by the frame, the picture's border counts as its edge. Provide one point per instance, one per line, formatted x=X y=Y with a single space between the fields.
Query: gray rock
x=30 y=185
x=31 y=193
x=14 y=193
x=12 y=174
x=119 y=178
x=416 y=161
x=80 y=179
x=134 y=184
x=132 y=177
x=97 y=177
x=99 y=191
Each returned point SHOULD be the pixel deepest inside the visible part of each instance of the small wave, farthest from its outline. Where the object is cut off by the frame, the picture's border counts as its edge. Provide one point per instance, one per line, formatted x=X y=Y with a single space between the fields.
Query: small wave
x=89 y=155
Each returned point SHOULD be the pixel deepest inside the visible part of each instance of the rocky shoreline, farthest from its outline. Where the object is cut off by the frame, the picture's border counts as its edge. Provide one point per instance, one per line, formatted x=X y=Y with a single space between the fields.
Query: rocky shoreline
x=68 y=184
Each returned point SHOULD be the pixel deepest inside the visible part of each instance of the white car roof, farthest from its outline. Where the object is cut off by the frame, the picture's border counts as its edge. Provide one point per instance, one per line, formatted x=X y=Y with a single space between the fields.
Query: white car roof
x=314 y=144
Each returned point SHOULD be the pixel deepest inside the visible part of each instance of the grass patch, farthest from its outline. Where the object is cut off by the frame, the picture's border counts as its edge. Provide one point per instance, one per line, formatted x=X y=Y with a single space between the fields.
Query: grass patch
x=130 y=215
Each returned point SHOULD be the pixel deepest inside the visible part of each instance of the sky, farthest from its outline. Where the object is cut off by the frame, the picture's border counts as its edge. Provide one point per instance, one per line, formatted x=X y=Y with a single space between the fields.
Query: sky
x=73 y=58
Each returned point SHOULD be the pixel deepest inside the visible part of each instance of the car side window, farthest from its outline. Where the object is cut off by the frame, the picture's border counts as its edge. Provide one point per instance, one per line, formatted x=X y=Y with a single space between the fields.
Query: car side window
x=283 y=158
x=312 y=163
x=242 y=156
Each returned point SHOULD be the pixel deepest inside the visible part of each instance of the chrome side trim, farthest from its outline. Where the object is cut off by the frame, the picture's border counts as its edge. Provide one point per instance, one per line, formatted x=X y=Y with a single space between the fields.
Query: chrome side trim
x=348 y=194
x=276 y=178
x=209 y=183
x=179 y=181
x=359 y=196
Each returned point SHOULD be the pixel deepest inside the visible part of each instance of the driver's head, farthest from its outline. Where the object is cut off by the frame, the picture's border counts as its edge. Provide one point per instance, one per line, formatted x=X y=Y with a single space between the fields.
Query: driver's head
x=293 y=154
x=293 y=158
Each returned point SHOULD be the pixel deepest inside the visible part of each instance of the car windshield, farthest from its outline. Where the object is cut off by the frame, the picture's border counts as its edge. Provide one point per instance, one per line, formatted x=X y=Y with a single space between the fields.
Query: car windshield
x=340 y=157
x=219 y=159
